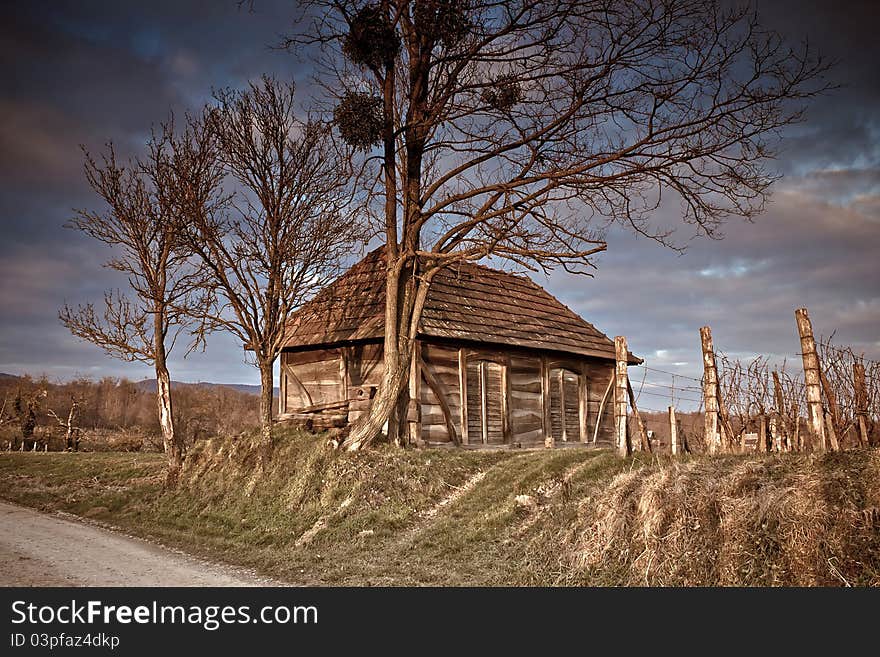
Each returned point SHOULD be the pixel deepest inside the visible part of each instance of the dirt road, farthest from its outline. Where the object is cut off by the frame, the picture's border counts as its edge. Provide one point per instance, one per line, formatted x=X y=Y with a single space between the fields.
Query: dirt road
x=37 y=549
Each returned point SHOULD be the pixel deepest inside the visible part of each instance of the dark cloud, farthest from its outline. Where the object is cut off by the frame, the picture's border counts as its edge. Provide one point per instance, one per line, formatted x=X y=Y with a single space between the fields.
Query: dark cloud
x=87 y=72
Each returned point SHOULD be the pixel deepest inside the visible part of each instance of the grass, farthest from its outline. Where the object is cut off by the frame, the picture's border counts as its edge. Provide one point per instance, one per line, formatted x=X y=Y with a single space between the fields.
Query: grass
x=451 y=517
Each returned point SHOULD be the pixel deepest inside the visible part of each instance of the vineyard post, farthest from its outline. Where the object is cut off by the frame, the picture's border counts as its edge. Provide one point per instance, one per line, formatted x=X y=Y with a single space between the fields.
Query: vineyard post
x=673 y=432
x=711 y=435
x=810 y=358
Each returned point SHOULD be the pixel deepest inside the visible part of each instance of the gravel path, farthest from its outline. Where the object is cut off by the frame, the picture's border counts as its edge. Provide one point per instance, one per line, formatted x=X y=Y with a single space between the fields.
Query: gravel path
x=37 y=549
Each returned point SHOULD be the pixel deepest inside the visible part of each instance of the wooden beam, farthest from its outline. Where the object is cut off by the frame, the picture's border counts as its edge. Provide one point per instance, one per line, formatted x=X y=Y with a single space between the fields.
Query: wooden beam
x=624 y=448
x=546 y=422
x=303 y=391
x=282 y=385
x=344 y=376
x=711 y=435
x=484 y=403
x=602 y=407
x=462 y=387
x=506 y=428
x=561 y=383
x=414 y=406
x=440 y=393
x=811 y=379
x=583 y=399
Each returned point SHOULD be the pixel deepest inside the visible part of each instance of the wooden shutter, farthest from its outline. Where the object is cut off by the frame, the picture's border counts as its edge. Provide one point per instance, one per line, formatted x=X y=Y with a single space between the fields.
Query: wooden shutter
x=564 y=405
x=572 y=419
x=494 y=423
x=484 y=409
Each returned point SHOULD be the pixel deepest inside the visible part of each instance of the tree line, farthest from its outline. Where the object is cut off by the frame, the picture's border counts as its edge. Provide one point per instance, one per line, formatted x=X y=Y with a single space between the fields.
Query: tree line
x=33 y=409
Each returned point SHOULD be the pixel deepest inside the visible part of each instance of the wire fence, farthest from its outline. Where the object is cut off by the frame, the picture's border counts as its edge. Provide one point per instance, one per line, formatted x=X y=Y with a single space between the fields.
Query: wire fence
x=766 y=404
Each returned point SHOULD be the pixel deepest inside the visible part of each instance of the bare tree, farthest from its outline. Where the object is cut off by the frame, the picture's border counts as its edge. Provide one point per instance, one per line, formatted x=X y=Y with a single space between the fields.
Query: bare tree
x=142 y=224
x=517 y=129
x=284 y=233
x=70 y=425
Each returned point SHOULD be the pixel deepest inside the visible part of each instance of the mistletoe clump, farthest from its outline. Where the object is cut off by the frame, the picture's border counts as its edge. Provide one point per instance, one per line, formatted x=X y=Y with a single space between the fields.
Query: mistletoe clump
x=444 y=21
x=359 y=119
x=371 y=40
x=504 y=93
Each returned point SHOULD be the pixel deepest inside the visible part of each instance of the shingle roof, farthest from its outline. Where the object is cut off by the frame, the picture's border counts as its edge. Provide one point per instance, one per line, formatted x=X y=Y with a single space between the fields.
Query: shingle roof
x=465 y=302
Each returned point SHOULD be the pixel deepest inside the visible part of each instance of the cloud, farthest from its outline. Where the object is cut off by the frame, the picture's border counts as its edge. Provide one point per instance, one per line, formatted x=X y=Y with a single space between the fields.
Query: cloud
x=88 y=72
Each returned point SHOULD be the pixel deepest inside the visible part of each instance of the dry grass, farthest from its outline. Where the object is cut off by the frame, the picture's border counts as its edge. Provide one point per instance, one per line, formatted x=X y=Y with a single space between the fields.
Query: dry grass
x=788 y=520
x=450 y=517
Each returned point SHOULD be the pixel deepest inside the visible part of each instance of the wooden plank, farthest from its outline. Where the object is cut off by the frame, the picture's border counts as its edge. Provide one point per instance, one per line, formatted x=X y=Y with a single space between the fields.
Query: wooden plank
x=311 y=356
x=282 y=386
x=462 y=386
x=602 y=408
x=440 y=393
x=484 y=403
x=414 y=407
x=344 y=377
x=545 y=404
x=583 y=398
x=298 y=385
x=319 y=408
x=505 y=403
x=560 y=381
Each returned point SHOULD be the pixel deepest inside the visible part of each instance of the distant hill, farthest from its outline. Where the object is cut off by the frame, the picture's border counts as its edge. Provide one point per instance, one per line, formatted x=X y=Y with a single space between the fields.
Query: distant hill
x=150 y=385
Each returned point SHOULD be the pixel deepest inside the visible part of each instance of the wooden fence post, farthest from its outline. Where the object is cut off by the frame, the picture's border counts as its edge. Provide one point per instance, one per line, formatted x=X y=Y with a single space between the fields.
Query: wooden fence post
x=861 y=391
x=673 y=432
x=811 y=379
x=711 y=434
x=624 y=448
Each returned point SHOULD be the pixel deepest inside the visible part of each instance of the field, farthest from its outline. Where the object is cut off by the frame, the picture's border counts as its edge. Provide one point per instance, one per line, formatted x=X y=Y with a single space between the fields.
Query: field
x=454 y=517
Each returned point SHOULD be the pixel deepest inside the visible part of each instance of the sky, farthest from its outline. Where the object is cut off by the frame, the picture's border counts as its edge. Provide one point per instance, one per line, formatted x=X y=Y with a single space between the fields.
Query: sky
x=86 y=72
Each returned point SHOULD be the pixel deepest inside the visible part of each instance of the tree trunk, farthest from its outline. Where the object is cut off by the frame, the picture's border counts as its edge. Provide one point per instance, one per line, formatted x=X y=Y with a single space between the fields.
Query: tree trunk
x=397 y=359
x=405 y=298
x=175 y=447
x=267 y=383
x=72 y=441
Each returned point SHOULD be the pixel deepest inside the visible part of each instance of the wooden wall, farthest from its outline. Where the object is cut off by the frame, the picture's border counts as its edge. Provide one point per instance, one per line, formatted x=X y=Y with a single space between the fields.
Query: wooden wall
x=512 y=410
x=584 y=380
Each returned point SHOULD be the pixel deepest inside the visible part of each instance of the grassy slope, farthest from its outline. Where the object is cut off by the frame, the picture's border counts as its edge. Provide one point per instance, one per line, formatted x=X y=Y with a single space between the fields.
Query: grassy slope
x=449 y=517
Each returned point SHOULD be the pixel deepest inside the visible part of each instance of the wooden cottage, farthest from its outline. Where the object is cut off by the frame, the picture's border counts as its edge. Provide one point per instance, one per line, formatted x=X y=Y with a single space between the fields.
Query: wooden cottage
x=501 y=361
